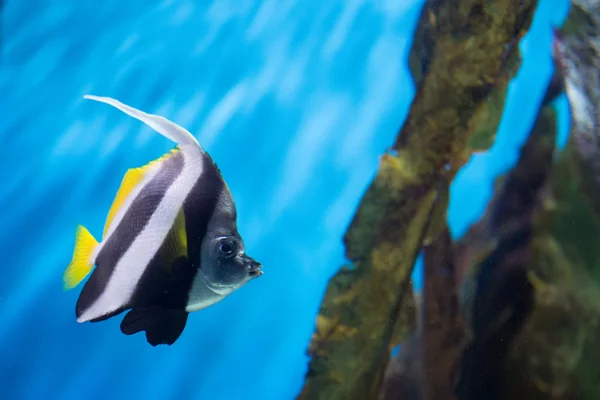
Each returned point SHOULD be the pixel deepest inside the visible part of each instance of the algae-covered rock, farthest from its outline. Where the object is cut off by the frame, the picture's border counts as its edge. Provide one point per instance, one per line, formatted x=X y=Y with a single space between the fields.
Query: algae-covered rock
x=503 y=296
x=560 y=346
x=554 y=352
x=465 y=54
x=441 y=326
x=402 y=378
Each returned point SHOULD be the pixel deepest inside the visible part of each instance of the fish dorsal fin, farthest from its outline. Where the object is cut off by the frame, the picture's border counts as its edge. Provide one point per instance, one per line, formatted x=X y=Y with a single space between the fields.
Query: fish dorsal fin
x=167 y=128
x=132 y=178
x=175 y=244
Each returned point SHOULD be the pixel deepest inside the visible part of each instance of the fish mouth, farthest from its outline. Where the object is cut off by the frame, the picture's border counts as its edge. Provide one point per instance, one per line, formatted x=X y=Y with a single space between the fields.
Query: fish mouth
x=255 y=270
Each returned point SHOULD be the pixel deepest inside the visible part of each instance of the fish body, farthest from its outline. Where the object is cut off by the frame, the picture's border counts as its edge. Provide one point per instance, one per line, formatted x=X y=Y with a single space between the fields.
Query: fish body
x=170 y=244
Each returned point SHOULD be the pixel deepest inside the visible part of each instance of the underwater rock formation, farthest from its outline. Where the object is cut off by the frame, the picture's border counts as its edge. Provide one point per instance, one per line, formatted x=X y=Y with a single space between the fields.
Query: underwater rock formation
x=463 y=56
x=512 y=310
x=545 y=343
x=499 y=263
x=559 y=349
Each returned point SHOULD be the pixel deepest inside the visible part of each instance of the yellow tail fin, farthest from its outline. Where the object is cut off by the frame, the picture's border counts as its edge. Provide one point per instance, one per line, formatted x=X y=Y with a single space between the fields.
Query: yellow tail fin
x=81 y=264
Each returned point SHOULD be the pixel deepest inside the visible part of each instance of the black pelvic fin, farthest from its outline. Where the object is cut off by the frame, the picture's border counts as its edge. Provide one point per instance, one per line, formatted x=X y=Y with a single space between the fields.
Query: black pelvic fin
x=162 y=325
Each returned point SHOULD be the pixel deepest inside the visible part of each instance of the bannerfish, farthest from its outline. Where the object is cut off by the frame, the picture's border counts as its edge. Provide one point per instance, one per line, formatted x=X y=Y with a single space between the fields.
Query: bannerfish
x=170 y=244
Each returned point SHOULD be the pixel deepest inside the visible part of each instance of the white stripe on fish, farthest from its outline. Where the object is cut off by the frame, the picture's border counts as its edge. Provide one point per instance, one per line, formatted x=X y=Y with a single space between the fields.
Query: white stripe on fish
x=128 y=271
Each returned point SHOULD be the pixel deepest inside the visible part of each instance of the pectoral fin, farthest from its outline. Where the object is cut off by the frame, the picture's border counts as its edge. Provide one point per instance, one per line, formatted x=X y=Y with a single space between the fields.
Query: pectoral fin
x=175 y=244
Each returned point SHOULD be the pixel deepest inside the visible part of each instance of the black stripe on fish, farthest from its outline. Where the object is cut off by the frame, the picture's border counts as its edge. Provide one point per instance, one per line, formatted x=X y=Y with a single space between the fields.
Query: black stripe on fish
x=200 y=206
x=134 y=220
x=161 y=296
x=158 y=304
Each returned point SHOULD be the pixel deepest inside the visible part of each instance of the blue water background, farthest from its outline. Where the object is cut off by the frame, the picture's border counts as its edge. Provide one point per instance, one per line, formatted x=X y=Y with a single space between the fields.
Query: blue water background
x=295 y=100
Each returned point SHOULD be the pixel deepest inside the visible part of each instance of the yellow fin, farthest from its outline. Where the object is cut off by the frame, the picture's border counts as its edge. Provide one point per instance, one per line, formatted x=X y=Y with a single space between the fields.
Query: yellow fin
x=175 y=245
x=132 y=178
x=81 y=264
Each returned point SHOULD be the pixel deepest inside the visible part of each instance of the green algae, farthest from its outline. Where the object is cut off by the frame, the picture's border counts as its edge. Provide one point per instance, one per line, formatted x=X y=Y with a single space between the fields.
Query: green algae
x=471 y=50
x=512 y=310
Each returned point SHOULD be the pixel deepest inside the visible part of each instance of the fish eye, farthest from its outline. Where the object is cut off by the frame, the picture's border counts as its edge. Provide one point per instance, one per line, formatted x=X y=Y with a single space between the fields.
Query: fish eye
x=228 y=247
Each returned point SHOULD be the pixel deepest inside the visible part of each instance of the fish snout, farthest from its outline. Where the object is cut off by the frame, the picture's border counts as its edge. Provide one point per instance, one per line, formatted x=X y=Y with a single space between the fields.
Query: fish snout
x=255 y=269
